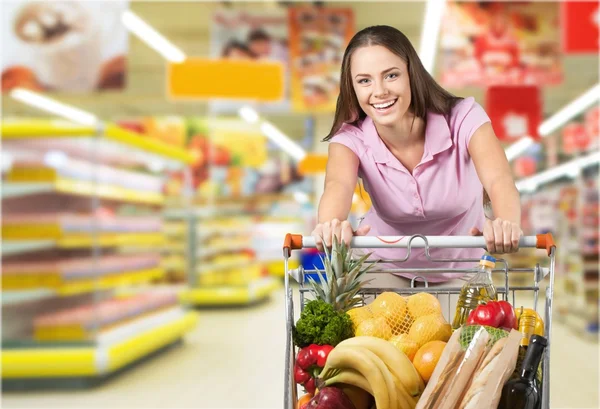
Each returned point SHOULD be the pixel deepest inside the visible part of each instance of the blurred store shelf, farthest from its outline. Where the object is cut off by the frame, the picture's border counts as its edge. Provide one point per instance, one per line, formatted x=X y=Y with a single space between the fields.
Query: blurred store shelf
x=118 y=348
x=80 y=231
x=80 y=188
x=231 y=295
x=111 y=144
x=22 y=244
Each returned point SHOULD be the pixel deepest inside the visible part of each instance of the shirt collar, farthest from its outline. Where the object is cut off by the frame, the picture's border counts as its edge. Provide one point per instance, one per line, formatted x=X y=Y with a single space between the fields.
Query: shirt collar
x=438 y=138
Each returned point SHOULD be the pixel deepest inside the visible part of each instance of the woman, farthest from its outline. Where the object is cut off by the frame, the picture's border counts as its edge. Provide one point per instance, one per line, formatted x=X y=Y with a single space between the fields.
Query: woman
x=424 y=156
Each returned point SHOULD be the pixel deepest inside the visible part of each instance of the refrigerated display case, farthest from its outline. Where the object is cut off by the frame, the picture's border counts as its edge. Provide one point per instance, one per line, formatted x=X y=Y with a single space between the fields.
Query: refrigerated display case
x=82 y=231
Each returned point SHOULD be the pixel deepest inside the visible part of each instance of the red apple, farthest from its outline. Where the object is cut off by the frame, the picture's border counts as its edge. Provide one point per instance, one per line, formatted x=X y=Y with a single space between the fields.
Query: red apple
x=330 y=397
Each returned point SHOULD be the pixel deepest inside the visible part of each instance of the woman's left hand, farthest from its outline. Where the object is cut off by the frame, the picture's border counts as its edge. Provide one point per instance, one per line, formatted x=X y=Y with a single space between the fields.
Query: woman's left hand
x=501 y=236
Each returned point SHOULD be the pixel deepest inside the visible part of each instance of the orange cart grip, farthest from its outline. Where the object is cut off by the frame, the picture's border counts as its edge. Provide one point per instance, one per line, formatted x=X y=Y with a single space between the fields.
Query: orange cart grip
x=292 y=242
x=545 y=241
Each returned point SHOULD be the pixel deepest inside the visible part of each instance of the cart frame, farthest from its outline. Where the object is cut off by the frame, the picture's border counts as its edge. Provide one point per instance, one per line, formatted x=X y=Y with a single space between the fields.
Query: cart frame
x=542 y=241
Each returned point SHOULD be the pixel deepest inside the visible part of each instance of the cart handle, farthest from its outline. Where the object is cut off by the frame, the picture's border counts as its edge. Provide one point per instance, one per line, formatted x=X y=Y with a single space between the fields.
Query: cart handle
x=297 y=242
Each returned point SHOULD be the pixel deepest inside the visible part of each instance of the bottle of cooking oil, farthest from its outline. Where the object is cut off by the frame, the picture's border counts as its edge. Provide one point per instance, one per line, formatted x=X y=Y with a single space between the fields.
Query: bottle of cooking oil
x=478 y=290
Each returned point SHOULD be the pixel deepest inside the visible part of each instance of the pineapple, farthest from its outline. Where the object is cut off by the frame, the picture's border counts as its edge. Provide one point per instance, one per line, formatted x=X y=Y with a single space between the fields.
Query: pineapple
x=343 y=277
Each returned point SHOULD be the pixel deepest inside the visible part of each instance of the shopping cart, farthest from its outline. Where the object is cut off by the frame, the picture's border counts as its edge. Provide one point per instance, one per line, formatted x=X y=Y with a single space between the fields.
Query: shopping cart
x=543 y=241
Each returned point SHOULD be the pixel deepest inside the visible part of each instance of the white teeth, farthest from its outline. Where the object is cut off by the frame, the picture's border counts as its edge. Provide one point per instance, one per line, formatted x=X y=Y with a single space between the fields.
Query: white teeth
x=385 y=105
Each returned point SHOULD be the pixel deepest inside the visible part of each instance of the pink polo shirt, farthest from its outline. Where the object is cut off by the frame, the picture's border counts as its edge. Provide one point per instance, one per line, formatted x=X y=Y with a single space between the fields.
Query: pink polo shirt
x=443 y=196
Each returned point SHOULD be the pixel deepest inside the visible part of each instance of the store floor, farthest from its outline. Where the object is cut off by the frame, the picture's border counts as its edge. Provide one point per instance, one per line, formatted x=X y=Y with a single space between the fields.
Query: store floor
x=234 y=359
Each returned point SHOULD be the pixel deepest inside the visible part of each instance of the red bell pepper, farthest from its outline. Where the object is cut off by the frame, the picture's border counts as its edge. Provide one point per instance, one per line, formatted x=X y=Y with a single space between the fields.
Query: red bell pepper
x=490 y=314
x=497 y=314
x=510 y=318
x=309 y=363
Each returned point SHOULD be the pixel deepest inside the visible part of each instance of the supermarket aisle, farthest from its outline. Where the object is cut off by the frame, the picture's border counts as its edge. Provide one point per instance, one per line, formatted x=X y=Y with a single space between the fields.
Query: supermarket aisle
x=234 y=360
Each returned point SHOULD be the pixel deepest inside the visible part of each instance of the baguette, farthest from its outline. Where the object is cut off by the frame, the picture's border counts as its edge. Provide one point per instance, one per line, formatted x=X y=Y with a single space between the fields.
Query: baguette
x=489 y=364
x=464 y=373
x=453 y=371
x=486 y=387
x=439 y=376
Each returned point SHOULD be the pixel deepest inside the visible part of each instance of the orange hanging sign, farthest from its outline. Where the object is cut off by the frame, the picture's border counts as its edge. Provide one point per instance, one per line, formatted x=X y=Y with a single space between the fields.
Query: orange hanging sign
x=203 y=78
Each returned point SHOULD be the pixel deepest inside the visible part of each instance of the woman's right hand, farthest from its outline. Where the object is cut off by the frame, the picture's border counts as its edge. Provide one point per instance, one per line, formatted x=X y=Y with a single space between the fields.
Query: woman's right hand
x=324 y=232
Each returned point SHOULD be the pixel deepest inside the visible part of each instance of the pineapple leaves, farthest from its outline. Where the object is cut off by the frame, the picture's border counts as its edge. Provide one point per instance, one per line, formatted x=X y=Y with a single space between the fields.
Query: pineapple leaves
x=341 y=282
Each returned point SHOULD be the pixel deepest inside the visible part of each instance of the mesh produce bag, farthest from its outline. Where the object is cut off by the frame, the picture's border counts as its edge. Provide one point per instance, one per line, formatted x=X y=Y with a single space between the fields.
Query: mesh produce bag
x=413 y=320
x=469 y=332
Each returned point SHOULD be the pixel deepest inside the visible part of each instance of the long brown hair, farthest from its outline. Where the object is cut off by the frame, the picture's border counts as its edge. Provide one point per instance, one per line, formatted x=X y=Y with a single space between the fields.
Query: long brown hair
x=427 y=95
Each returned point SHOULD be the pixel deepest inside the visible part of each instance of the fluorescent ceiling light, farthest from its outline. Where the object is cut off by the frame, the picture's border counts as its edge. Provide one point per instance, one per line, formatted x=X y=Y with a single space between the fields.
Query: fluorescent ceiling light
x=516 y=149
x=282 y=140
x=570 y=169
x=434 y=11
x=50 y=105
x=274 y=134
x=249 y=114
x=153 y=38
x=573 y=109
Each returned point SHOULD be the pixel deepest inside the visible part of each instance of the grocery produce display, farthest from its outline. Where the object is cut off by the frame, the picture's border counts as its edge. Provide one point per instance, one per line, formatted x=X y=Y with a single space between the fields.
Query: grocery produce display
x=82 y=234
x=227 y=256
x=398 y=351
x=88 y=321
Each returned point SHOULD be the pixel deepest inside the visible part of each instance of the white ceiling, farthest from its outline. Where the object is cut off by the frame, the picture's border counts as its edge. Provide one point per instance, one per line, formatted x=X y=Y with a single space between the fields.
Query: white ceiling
x=187 y=25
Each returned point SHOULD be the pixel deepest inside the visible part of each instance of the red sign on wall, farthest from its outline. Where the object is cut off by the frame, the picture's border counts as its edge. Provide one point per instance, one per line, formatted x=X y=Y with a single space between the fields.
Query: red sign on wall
x=592 y=123
x=580 y=20
x=525 y=166
x=515 y=111
x=575 y=138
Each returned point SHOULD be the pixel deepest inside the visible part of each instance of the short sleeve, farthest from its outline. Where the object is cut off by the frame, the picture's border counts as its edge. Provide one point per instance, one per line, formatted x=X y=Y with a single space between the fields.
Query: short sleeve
x=468 y=117
x=348 y=136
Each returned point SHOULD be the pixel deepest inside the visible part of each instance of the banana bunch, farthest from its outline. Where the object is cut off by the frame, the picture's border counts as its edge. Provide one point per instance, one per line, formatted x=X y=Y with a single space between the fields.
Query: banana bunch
x=378 y=367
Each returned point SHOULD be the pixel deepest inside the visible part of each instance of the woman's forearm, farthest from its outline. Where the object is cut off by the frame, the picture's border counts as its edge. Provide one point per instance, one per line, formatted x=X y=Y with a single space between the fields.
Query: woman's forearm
x=506 y=201
x=335 y=202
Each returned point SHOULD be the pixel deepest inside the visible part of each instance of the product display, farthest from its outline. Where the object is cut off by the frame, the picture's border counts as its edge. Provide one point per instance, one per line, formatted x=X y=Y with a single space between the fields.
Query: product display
x=574 y=208
x=72 y=275
x=83 y=225
x=223 y=266
x=88 y=321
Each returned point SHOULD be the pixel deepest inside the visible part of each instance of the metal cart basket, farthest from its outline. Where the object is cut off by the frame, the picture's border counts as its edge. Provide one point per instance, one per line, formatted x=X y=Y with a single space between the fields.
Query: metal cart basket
x=538 y=273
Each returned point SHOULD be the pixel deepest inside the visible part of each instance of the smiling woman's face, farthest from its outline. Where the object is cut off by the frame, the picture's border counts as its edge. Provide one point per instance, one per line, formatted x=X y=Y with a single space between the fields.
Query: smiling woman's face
x=381 y=83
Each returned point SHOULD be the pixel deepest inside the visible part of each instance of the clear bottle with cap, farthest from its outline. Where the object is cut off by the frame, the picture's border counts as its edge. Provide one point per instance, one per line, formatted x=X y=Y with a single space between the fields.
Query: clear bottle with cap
x=478 y=290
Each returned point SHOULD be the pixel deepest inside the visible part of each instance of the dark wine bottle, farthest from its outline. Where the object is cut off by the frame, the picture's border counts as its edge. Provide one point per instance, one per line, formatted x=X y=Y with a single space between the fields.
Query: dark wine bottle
x=524 y=392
